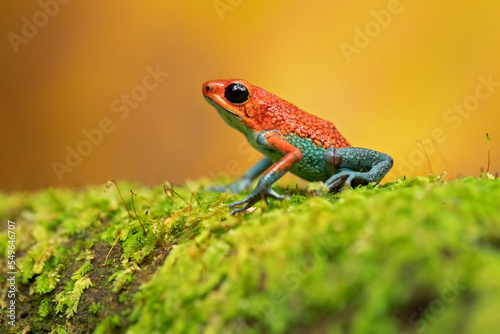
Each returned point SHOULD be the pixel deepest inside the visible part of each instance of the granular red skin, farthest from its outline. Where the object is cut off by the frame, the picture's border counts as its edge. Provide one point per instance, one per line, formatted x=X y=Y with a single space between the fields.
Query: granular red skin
x=266 y=111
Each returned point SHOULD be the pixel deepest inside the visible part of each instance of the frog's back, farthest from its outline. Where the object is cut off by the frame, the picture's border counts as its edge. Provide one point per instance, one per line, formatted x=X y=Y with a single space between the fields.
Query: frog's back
x=278 y=114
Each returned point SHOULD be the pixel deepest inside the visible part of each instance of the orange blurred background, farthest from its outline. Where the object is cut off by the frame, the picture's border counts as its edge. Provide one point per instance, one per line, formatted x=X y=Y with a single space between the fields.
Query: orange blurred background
x=95 y=90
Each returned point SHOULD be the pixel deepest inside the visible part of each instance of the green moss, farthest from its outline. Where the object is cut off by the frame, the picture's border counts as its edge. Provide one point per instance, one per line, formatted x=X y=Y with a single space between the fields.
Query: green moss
x=58 y=330
x=415 y=255
x=94 y=308
x=46 y=282
x=109 y=325
x=43 y=310
x=68 y=299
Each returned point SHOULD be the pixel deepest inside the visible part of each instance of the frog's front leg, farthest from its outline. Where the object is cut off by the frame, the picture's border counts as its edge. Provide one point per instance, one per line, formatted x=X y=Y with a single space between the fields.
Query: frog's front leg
x=245 y=182
x=270 y=140
x=356 y=166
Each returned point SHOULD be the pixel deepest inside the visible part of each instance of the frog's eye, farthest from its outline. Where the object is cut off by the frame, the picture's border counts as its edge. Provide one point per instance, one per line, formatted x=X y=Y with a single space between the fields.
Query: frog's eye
x=236 y=93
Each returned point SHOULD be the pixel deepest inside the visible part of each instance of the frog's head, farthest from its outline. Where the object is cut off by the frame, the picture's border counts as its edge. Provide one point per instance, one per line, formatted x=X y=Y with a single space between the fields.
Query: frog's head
x=237 y=101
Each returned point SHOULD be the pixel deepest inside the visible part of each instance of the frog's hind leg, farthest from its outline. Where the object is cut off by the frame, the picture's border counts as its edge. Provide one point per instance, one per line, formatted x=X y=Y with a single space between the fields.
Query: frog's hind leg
x=356 y=166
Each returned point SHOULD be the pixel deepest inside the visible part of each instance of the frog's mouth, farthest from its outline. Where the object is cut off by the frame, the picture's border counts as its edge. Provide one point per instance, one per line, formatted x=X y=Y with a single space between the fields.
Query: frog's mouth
x=219 y=108
x=233 y=120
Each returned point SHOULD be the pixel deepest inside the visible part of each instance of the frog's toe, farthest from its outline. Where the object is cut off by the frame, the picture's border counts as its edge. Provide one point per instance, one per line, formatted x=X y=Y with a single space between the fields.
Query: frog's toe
x=349 y=178
x=238 y=203
x=245 y=205
x=273 y=194
x=253 y=198
x=337 y=180
x=242 y=209
x=356 y=179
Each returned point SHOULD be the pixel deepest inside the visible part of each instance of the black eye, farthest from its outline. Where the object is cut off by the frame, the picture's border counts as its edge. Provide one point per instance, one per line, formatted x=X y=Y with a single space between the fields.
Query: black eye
x=236 y=93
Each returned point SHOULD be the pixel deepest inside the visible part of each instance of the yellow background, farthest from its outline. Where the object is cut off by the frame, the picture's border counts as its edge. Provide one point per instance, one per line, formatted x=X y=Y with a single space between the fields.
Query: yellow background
x=395 y=90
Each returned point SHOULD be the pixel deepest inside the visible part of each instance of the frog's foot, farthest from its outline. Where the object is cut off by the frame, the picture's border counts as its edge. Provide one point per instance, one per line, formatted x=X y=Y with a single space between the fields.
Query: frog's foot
x=350 y=178
x=354 y=166
x=235 y=187
x=253 y=198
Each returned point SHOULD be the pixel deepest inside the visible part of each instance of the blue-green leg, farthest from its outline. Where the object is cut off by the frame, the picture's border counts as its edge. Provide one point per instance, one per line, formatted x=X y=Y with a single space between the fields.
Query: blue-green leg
x=356 y=166
x=292 y=155
x=245 y=182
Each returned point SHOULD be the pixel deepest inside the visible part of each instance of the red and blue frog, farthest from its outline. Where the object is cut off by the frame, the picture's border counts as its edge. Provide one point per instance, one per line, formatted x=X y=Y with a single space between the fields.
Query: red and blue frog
x=291 y=140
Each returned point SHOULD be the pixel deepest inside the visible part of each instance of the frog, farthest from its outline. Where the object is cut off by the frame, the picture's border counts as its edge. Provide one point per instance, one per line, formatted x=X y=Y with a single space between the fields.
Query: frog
x=291 y=140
